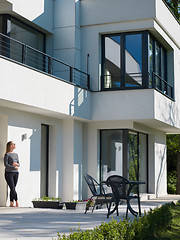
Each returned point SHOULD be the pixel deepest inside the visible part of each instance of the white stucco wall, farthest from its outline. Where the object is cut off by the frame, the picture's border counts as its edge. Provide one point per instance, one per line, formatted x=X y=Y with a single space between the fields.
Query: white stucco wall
x=32 y=88
x=29 y=151
x=74 y=146
x=3 y=141
x=100 y=12
x=160 y=164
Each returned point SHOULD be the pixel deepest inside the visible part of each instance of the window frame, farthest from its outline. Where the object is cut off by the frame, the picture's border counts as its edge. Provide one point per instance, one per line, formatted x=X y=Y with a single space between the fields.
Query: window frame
x=125 y=134
x=144 y=45
x=146 y=35
x=6 y=17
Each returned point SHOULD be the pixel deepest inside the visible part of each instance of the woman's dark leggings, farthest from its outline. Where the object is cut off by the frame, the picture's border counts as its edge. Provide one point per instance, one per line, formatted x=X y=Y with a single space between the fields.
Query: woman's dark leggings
x=11 y=179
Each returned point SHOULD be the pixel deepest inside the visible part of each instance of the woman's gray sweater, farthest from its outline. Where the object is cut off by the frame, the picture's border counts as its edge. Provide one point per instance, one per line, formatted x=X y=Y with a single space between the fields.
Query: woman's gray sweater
x=9 y=158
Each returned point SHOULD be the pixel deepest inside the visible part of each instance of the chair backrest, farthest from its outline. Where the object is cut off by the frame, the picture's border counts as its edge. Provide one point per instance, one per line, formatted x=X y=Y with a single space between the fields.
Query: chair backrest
x=119 y=186
x=91 y=184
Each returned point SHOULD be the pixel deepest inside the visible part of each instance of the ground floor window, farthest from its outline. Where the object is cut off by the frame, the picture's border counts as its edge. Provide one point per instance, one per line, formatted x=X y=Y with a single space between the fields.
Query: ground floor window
x=124 y=152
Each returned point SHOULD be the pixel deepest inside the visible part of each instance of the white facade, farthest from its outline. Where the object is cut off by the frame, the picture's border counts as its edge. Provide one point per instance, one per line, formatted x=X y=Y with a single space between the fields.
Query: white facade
x=75 y=116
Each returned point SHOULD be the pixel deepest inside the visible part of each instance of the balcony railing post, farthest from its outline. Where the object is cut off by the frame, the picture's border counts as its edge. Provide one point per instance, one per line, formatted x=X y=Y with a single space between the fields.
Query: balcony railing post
x=50 y=65
x=88 y=81
x=24 y=51
x=71 y=74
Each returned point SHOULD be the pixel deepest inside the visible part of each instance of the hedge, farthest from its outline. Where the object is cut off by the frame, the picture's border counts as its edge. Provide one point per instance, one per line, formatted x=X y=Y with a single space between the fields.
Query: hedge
x=145 y=227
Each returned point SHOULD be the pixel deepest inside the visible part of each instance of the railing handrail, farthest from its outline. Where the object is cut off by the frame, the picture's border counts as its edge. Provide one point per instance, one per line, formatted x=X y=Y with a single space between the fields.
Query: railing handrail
x=25 y=46
x=162 y=79
x=36 y=50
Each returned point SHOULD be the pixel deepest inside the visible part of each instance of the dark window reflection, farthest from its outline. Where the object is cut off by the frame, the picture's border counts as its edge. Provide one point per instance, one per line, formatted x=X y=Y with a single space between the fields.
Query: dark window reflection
x=133 y=60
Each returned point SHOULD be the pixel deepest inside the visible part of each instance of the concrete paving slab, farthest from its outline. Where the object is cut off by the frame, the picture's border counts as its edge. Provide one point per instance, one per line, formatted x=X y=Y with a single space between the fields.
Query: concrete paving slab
x=37 y=224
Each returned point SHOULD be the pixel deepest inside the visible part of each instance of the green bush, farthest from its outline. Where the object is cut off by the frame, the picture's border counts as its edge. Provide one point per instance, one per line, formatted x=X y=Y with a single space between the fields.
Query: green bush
x=143 y=228
x=153 y=223
x=171 y=182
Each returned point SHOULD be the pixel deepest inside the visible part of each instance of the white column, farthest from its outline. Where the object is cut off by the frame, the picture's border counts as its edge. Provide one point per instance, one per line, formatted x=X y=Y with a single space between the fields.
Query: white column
x=160 y=165
x=68 y=159
x=67 y=31
x=3 y=141
x=77 y=186
x=72 y=160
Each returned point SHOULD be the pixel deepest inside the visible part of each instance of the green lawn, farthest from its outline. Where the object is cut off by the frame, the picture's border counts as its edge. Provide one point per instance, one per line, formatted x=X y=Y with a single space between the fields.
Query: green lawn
x=174 y=232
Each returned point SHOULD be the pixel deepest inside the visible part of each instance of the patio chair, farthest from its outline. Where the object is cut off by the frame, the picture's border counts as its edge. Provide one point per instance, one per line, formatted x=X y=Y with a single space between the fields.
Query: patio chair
x=98 y=192
x=121 y=189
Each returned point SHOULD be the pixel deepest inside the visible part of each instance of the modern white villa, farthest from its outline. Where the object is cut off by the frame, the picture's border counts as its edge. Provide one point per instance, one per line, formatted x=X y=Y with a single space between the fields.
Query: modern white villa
x=87 y=86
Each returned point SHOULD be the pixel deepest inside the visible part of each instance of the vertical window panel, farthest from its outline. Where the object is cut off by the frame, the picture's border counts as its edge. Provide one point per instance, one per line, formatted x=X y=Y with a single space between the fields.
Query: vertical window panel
x=143 y=161
x=111 y=153
x=150 y=62
x=133 y=60
x=112 y=62
x=133 y=164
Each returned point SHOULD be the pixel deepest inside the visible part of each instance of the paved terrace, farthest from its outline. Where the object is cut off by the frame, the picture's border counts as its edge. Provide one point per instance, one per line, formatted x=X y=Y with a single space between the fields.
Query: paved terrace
x=36 y=224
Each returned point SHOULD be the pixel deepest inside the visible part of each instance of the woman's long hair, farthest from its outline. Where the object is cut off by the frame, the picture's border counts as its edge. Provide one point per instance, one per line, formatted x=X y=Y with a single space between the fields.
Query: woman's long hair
x=8 y=146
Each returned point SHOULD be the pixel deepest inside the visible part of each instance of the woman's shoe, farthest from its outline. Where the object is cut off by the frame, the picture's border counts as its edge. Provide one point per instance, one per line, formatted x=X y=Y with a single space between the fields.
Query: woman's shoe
x=17 y=204
x=11 y=204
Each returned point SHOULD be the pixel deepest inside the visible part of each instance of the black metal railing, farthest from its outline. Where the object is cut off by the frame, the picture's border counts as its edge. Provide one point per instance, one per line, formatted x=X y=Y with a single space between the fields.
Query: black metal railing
x=32 y=57
x=137 y=80
x=162 y=85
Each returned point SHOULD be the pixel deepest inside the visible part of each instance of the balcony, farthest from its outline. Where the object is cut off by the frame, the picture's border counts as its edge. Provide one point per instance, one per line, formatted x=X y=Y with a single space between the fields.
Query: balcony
x=21 y=53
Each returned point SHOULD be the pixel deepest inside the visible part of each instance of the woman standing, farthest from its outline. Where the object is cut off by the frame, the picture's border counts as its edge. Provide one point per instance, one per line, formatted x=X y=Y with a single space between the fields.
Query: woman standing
x=11 y=163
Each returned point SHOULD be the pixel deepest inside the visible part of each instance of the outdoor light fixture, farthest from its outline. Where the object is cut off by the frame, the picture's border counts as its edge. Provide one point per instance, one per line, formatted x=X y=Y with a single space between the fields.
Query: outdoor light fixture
x=24 y=137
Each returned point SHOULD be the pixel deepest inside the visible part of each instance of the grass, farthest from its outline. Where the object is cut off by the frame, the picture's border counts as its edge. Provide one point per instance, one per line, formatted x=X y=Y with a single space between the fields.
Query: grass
x=174 y=232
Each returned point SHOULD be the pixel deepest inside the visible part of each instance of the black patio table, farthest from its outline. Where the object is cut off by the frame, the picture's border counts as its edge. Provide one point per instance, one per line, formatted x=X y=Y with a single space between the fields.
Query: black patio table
x=119 y=186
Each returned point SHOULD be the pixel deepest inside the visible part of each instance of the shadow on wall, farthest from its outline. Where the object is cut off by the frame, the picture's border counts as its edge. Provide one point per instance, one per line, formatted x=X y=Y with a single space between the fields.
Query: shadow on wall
x=80 y=106
x=169 y=112
x=35 y=153
x=47 y=14
x=162 y=169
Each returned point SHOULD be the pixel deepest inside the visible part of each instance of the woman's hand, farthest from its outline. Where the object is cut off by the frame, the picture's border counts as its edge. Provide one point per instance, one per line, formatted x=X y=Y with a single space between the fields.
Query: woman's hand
x=15 y=164
x=16 y=168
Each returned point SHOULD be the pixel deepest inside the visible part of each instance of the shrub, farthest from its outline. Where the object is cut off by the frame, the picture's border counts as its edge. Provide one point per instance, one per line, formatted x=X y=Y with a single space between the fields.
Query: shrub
x=171 y=182
x=143 y=228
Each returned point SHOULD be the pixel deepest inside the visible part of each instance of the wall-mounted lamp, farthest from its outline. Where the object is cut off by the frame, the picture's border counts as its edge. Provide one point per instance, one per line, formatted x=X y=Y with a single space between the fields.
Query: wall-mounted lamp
x=24 y=137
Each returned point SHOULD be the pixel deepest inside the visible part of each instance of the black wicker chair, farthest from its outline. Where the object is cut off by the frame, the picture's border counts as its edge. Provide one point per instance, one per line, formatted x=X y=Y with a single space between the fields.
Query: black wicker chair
x=98 y=193
x=121 y=189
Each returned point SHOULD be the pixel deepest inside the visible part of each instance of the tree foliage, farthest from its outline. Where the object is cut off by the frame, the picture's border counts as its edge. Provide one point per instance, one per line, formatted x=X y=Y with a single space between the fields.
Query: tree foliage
x=172 y=149
x=174 y=5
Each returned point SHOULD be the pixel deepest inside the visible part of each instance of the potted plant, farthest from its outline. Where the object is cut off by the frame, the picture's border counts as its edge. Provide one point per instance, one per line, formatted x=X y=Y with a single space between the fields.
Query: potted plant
x=79 y=204
x=47 y=202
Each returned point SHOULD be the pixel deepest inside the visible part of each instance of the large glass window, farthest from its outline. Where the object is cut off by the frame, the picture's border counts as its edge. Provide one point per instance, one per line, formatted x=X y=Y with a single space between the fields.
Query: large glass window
x=124 y=152
x=134 y=60
x=23 y=33
x=122 y=61
x=111 y=153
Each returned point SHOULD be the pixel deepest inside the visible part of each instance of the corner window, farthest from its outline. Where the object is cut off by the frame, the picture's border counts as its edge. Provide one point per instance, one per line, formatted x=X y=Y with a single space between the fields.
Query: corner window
x=124 y=152
x=134 y=61
x=157 y=60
